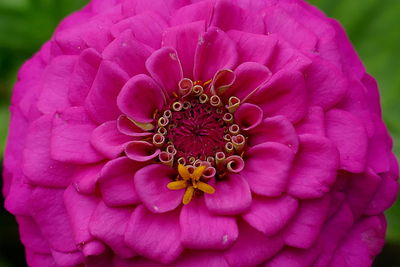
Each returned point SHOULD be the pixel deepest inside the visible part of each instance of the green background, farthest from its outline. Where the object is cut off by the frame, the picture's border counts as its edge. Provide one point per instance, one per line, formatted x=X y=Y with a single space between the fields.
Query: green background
x=373 y=27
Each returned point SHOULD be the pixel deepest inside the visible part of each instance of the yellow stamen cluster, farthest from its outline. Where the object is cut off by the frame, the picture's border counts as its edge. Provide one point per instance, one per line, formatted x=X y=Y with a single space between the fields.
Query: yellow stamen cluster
x=190 y=181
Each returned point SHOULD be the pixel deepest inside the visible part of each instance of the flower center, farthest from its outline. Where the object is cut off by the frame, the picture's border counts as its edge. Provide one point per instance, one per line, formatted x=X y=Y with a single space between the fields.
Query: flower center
x=197 y=135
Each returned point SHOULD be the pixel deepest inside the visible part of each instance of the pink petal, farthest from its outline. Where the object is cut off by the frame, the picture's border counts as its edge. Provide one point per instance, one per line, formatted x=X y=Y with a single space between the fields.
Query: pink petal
x=244 y=19
x=18 y=196
x=38 y=165
x=252 y=247
x=326 y=83
x=101 y=101
x=254 y=47
x=334 y=231
x=140 y=98
x=165 y=58
x=267 y=168
x=147 y=28
x=306 y=226
x=361 y=190
x=54 y=95
x=85 y=178
x=155 y=236
x=203 y=230
x=248 y=116
x=35 y=259
x=108 y=225
x=362 y=244
x=108 y=140
x=79 y=208
x=294 y=257
x=287 y=58
x=200 y=11
x=285 y=94
x=184 y=39
x=270 y=215
x=70 y=138
x=313 y=122
x=249 y=77
x=31 y=236
x=385 y=196
x=73 y=258
x=200 y=259
x=314 y=168
x=48 y=211
x=83 y=75
x=275 y=129
x=151 y=186
x=232 y=196
x=215 y=51
x=348 y=134
x=128 y=127
x=279 y=22
x=116 y=182
x=128 y=53
x=141 y=151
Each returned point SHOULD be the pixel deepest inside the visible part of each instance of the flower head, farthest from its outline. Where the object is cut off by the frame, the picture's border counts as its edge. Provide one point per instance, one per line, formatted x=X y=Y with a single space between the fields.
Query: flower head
x=198 y=133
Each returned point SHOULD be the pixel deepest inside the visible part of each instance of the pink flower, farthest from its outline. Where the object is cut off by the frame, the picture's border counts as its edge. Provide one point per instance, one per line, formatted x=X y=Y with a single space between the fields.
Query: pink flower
x=198 y=133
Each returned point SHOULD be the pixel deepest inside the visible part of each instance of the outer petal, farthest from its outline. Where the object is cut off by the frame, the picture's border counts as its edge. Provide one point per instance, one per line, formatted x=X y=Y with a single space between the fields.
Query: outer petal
x=270 y=215
x=54 y=95
x=326 y=83
x=288 y=28
x=85 y=178
x=252 y=247
x=147 y=28
x=70 y=138
x=49 y=212
x=362 y=244
x=101 y=100
x=361 y=190
x=200 y=259
x=267 y=168
x=215 y=51
x=314 y=168
x=151 y=186
x=83 y=75
x=165 y=58
x=306 y=226
x=285 y=94
x=128 y=53
x=202 y=230
x=38 y=166
x=232 y=196
x=31 y=236
x=200 y=11
x=184 y=39
x=275 y=129
x=349 y=136
x=313 y=122
x=116 y=182
x=108 y=140
x=155 y=236
x=140 y=98
x=254 y=47
x=108 y=225
x=80 y=208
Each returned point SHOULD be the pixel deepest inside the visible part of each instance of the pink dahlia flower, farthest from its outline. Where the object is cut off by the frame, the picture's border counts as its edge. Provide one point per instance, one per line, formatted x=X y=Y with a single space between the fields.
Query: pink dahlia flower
x=198 y=133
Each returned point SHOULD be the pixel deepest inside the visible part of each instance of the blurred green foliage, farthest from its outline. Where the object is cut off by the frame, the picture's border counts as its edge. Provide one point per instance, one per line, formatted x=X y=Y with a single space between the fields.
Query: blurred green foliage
x=373 y=27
